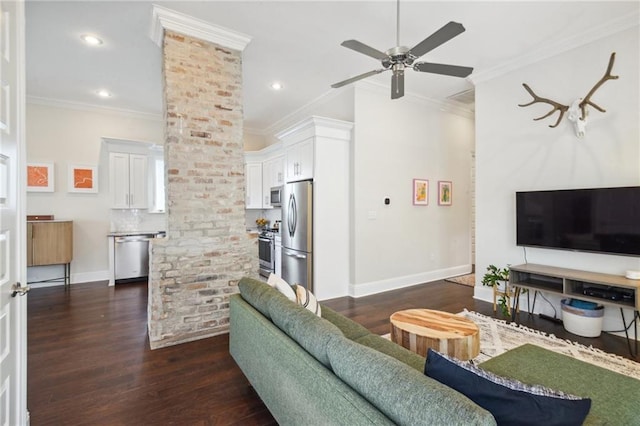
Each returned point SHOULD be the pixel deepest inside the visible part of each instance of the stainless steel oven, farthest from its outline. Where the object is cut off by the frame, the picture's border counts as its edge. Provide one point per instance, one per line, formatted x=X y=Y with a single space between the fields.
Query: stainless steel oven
x=266 y=253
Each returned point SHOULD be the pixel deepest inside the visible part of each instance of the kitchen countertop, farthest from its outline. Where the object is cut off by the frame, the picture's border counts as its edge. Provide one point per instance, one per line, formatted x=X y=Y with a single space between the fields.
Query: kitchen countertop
x=132 y=233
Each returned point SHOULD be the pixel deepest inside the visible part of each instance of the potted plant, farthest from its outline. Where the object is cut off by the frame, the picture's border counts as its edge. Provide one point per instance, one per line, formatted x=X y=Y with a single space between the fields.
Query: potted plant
x=498 y=278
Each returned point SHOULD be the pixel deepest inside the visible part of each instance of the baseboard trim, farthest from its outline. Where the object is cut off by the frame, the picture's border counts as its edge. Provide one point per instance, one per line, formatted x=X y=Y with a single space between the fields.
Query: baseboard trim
x=77 y=278
x=374 y=287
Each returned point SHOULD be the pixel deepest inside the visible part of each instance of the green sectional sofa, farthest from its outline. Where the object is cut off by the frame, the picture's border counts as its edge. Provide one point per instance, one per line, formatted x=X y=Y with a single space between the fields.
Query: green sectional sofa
x=332 y=371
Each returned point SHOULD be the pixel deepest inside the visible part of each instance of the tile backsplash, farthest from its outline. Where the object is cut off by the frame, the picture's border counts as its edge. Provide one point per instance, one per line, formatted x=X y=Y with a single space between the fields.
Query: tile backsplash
x=123 y=220
x=270 y=214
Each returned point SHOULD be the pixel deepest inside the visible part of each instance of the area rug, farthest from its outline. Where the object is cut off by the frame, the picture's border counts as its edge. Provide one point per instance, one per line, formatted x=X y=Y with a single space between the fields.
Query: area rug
x=498 y=336
x=468 y=280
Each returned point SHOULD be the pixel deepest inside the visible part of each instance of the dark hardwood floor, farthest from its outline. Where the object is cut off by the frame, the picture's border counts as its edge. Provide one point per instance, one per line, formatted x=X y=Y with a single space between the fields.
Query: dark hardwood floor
x=89 y=361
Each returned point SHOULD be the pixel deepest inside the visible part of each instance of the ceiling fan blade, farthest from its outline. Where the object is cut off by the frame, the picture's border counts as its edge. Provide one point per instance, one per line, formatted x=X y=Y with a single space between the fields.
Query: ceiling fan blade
x=356 y=78
x=363 y=48
x=397 y=84
x=444 y=69
x=441 y=36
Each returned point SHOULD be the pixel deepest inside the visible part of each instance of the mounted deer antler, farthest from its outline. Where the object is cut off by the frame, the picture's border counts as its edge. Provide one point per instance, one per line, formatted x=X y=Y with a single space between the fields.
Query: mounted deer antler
x=607 y=76
x=556 y=106
x=579 y=120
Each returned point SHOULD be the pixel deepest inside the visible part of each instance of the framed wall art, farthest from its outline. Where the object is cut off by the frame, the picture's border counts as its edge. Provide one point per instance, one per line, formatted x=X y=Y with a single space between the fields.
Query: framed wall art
x=40 y=177
x=82 y=178
x=445 y=193
x=420 y=192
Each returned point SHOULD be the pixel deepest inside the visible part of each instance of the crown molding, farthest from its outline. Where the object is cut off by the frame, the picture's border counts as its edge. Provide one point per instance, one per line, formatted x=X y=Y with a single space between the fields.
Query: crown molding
x=603 y=30
x=167 y=19
x=320 y=126
x=80 y=106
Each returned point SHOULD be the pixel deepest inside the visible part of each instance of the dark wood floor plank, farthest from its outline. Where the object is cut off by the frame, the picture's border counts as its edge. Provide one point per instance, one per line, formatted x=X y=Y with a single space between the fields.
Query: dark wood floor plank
x=89 y=361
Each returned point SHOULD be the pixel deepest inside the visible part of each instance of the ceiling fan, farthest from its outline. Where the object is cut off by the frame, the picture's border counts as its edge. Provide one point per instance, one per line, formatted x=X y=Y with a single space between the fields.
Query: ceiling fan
x=398 y=58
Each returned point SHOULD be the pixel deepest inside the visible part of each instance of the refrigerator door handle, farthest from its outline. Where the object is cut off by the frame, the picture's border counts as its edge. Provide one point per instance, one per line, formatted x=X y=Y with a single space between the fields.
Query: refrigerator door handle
x=297 y=256
x=292 y=220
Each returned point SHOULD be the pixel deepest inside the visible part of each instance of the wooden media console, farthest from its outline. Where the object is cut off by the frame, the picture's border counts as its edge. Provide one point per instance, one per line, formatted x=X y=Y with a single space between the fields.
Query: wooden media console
x=606 y=289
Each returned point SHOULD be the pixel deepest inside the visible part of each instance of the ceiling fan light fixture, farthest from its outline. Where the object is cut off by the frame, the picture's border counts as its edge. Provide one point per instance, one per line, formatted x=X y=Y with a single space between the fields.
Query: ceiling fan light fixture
x=91 y=39
x=399 y=57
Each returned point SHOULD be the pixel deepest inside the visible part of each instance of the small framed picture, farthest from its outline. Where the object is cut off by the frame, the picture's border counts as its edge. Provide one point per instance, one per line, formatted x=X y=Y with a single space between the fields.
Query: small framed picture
x=40 y=177
x=82 y=178
x=445 y=193
x=420 y=192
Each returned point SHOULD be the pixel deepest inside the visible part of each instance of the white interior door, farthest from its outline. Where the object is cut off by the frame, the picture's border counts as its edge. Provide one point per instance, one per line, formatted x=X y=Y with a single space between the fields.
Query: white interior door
x=13 y=394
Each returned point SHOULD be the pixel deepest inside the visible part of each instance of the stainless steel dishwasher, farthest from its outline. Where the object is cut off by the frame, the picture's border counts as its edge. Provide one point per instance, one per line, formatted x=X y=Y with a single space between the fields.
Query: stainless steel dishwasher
x=132 y=256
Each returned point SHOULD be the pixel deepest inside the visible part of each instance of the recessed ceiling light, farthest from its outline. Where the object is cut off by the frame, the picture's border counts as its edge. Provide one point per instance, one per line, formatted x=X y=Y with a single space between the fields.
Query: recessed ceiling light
x=91 y=40
x=104 y=93
x=276 y=85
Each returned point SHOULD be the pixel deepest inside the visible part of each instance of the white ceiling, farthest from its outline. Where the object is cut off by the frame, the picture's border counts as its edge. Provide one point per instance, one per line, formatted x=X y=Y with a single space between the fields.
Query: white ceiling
x=297 y=43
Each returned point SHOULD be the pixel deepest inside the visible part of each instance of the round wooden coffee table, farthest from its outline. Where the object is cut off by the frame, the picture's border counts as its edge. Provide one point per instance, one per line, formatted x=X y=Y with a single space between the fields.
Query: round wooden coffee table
x=421 y=329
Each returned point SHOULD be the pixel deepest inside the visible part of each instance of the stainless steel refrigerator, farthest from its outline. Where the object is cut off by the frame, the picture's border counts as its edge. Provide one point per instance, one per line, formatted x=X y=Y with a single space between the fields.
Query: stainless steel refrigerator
x=297 y=234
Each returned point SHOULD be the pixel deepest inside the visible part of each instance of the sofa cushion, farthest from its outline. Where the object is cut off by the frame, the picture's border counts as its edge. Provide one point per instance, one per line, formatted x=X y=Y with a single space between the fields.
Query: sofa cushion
x=258 y=294
x=308 y=300
x=351 y=329
x=510 y=401
x=308 y=330
x=394 y=350
x=296 y=388
x=403 y=394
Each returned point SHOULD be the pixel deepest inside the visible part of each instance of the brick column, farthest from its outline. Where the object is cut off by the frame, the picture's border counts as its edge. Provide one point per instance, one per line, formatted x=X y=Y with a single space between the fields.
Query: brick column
x=207 y=249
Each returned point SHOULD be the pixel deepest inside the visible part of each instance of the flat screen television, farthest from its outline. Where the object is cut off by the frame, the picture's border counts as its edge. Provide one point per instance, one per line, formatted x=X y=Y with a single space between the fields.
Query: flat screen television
x=603 y=220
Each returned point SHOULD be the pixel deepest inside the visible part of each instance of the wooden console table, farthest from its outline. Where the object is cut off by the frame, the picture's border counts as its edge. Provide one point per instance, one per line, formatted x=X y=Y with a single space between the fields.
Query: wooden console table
x=50 y=242
x=606 y=289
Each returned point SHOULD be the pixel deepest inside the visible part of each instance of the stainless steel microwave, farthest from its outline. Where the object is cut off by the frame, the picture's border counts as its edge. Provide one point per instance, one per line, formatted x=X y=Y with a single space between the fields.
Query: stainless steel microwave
x=276 y=196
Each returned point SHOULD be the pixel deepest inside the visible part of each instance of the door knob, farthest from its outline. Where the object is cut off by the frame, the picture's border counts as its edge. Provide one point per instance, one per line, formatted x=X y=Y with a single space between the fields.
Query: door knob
x=18 y=289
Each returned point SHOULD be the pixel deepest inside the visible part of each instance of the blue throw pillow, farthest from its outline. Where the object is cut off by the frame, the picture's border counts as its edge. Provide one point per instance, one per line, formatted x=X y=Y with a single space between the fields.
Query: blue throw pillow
x=511 y=402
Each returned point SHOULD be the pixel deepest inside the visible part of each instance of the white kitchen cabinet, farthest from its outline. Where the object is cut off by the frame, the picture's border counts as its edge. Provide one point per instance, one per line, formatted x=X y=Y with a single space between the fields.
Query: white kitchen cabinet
x=253 y=181
x=128 y=180
x=272 y=175
x=299 y=157
x=278 y=255
x=267 y=167
x=277 y=171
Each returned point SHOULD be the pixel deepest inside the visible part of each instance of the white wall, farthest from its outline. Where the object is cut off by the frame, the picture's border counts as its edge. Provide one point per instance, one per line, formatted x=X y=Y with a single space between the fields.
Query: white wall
x=395 y=142
x=336 y=104
x=515 y=153
x=67 y=136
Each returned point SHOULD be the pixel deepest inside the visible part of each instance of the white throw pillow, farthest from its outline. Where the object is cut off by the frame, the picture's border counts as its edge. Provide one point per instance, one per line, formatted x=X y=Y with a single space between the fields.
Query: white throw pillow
x=273 y=279
x=282 y=286
x=308 y=300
